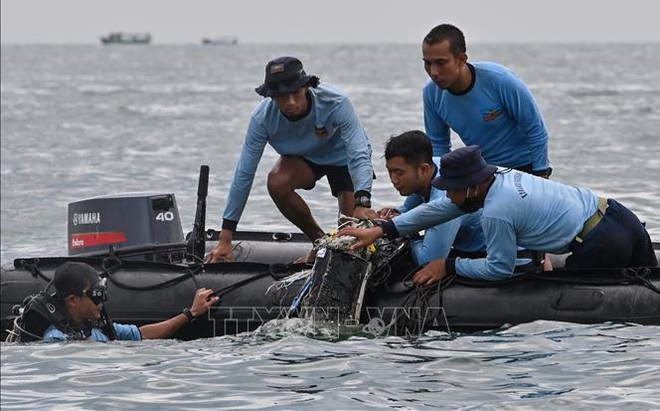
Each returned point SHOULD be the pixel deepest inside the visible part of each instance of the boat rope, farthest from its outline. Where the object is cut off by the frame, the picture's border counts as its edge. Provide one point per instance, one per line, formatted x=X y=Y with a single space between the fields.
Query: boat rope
x=34 y=270
x=413 y=321
x=194 y=258
x=419 y=297
x=224 y=290
x=640 y=275
x=273 y=270
x=109 y=270
x=110 y=265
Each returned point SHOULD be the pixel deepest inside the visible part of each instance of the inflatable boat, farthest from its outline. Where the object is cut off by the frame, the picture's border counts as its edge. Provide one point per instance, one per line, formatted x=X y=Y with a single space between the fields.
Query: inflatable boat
x=135 y=240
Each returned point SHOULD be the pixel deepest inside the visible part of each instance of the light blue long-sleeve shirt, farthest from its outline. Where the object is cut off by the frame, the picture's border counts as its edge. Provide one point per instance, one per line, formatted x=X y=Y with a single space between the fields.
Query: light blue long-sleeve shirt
x=520 y=210
x=499 y=114
x=331 y=134
x=463 y=233
x=124 y=332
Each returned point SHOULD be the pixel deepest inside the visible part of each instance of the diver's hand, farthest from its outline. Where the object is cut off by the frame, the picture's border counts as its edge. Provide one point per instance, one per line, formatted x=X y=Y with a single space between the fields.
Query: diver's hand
x=203 y=300
x=364 y=213
x=222 y=251
x=431 y=273
x=364 y=236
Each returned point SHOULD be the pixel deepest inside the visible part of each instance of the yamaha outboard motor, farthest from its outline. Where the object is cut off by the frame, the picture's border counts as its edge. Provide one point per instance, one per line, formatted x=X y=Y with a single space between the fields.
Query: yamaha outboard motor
x=135 y=226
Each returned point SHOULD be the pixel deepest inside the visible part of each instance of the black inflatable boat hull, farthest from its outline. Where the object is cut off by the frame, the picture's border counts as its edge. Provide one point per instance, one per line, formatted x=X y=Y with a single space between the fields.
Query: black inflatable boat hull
x=142 y=292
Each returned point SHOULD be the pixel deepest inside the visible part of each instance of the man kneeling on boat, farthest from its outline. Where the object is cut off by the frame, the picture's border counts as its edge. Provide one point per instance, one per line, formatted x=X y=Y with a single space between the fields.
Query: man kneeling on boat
x=316 y=131
x=76 y=312
x=520 y=210
x=409 y=163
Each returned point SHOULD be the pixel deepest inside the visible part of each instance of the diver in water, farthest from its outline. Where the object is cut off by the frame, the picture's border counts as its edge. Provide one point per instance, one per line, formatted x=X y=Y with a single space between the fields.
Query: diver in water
x=76 y=312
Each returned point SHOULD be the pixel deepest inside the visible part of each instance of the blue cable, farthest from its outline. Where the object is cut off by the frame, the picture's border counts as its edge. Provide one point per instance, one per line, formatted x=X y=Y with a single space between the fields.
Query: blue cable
x=301 y=294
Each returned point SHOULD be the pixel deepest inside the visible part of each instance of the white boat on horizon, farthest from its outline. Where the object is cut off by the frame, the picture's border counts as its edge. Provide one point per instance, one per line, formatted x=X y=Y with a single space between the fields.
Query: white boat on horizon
x=220 y=40
x=119 y=37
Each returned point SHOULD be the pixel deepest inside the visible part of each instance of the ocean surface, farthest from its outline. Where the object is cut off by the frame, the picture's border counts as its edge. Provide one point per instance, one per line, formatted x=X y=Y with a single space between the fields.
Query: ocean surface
x=82 y=121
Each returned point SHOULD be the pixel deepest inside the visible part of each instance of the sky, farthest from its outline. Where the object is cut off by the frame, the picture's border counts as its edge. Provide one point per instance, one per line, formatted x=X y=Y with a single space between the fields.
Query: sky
x=330 y=21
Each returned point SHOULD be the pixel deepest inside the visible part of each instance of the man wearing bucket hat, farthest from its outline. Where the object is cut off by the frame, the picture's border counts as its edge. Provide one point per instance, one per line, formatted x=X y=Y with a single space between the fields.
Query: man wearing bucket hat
x=316 y=131
x=520 y=209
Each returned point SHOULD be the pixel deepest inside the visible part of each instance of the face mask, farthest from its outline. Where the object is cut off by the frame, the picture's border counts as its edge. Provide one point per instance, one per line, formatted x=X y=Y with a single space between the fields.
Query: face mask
x=471 y=204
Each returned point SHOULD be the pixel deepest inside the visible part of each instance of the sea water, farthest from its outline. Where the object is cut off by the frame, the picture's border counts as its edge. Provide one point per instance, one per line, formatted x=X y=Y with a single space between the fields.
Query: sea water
x=82 y=121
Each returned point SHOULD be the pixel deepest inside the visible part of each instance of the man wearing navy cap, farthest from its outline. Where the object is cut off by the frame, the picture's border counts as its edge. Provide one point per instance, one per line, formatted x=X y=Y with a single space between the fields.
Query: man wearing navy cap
x=316 y=131
x=520 y=209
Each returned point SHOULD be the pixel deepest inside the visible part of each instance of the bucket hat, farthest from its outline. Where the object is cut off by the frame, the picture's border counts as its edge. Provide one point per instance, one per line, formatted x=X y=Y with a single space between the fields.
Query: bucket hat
x=462 y=168
x=284 y=75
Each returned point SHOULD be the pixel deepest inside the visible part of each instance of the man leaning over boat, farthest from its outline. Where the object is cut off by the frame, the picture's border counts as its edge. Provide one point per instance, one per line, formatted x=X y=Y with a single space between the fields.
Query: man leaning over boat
x=316 y=131
x=520 y=210
x=409 y=163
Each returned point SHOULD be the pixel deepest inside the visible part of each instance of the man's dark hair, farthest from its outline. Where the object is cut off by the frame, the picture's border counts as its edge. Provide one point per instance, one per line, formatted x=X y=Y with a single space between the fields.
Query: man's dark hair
x=447 y=32
x=414 y=146
x=72 y=278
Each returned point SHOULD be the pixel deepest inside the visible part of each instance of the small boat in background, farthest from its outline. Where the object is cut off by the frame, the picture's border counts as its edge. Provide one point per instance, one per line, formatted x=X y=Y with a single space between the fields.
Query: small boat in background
x=126 y=38
x=220 y=41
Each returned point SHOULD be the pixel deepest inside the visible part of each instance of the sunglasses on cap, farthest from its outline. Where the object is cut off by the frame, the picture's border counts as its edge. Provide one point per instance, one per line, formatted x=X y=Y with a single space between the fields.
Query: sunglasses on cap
x=98 y=293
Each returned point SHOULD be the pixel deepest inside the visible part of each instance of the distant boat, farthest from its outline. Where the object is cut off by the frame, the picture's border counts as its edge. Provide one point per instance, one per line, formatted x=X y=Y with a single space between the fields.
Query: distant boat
x=220 y=41
x=126 y=38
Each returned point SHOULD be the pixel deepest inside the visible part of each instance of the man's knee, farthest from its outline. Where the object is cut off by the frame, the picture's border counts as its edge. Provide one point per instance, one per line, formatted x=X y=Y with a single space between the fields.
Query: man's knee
x=281 y=183
x=278 y=184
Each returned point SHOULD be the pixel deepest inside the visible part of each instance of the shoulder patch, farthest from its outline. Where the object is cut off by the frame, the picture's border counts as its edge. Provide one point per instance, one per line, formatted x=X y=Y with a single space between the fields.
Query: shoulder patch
x=320 y=132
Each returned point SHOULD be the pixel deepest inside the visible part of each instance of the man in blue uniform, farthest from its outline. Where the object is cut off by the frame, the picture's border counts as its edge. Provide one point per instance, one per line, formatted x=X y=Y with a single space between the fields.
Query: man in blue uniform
x=316 y=131
x=411 y=169
x=520 y=209
x=78 y=304
x=485 y=103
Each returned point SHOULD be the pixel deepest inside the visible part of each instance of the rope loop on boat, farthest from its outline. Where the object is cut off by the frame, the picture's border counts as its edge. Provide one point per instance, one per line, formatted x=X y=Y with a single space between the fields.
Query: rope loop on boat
x=36 y=272
x=109 y=270
x=31 y=266
x=419 y=297
x=641 y=275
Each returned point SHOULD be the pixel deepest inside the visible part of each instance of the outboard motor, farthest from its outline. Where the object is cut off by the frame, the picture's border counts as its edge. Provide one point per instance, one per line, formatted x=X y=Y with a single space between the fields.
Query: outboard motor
x=135 y=226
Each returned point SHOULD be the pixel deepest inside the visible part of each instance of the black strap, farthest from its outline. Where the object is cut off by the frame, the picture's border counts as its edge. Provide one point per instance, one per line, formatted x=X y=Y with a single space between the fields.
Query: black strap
x=108 y=327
